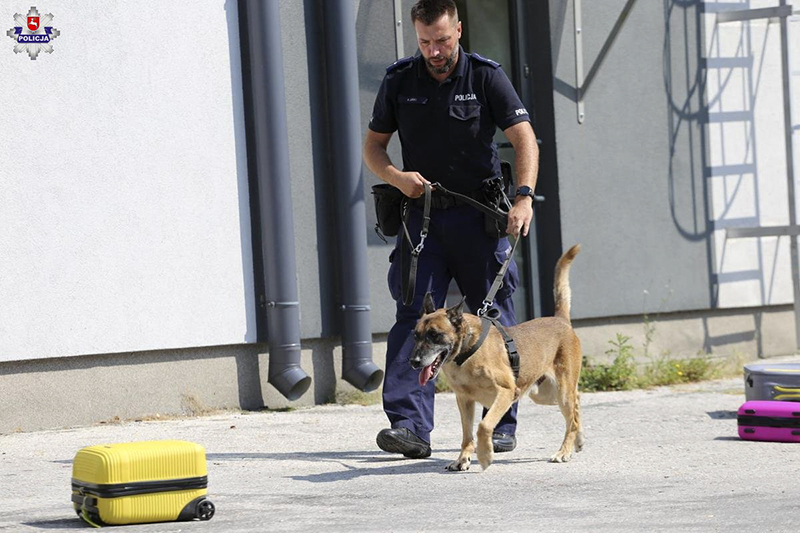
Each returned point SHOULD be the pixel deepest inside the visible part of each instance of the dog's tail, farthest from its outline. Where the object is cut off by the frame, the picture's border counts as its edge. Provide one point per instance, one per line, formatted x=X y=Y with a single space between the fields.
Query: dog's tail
x=561 y=289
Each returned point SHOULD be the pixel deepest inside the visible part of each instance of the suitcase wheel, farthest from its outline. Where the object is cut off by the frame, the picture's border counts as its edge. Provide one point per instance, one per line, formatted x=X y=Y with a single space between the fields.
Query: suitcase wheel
x=205 y=510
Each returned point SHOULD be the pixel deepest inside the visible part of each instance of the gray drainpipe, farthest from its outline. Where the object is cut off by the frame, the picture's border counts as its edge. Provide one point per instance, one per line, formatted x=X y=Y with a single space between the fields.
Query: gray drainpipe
x=271 y=146
x=344 y=141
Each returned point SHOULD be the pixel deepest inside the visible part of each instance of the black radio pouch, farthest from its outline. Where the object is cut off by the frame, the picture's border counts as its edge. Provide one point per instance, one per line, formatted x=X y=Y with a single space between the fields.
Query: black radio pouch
x=388 y=209
x=495 y=192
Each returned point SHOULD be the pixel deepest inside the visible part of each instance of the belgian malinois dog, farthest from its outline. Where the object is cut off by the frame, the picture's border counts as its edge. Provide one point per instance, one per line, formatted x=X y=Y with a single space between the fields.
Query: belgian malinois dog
x=549 y=353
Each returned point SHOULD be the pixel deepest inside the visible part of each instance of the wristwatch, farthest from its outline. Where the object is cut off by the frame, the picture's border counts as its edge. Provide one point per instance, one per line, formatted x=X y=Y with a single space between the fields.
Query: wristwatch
x=524 y=191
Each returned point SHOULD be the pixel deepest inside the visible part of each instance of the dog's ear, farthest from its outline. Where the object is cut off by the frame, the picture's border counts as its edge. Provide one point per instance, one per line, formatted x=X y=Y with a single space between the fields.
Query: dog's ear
x=456 y=313
x=427 y=304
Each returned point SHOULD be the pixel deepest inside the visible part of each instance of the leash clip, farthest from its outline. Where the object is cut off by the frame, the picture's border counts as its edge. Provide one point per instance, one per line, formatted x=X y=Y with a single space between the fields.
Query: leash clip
x=482 y=310
x=418 y=248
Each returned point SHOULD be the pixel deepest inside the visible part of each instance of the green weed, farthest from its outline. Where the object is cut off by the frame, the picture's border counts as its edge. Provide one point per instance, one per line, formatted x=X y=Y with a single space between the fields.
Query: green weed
x=619 y=375
x=668 y=371
x=623 y=373
x=355 y=396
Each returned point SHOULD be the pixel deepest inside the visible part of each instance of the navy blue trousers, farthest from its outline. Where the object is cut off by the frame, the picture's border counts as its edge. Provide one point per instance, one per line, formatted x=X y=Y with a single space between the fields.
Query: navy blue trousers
x=457 y=247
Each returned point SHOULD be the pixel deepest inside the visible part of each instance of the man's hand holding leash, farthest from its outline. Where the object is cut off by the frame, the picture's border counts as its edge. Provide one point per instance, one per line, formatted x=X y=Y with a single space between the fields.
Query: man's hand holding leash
x=412 y=184
x=520 y=216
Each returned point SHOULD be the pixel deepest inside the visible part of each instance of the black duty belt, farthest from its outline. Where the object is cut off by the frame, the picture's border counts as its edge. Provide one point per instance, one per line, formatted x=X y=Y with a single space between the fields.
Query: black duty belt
x=444 y=201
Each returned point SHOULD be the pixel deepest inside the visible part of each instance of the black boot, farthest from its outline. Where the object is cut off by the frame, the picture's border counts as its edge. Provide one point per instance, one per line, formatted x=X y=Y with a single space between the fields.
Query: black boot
x=402 y=440
x=503 y=442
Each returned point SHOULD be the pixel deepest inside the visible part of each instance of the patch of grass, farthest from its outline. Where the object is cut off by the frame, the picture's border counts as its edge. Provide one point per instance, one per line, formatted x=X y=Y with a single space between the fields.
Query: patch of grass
x=354 y=396
x=668 y=371
x=619 y=375
x=732 y=366
x=623 y=373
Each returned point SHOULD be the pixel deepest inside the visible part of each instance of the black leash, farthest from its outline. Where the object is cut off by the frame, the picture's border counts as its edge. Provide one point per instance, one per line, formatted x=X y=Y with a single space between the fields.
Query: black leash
x=410 y=286
x=498 y=281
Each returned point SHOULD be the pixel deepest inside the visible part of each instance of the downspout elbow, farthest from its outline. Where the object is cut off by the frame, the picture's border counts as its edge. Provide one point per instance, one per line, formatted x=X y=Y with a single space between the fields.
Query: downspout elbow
x=285 y=373
x=357 y=366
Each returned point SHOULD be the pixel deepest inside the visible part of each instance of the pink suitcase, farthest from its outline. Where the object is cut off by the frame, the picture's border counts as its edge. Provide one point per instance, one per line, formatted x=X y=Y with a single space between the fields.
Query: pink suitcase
x=769 y=420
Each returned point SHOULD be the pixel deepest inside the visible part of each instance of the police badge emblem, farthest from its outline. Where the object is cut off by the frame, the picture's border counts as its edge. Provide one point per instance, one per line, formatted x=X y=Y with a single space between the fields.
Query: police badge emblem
x=33 y=35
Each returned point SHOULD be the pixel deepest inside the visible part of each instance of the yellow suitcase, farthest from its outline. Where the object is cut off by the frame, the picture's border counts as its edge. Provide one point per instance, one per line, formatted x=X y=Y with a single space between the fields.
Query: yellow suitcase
x=138 y=482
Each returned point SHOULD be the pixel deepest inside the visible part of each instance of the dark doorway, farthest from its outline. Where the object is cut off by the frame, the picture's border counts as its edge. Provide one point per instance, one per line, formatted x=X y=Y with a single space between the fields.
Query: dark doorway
x=516 y=34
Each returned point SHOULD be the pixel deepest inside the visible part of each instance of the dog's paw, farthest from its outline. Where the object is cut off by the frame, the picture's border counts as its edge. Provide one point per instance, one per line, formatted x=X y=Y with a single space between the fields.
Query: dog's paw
x=459 y=466
x=561 y=457
x=580 y=442
x=485 y=459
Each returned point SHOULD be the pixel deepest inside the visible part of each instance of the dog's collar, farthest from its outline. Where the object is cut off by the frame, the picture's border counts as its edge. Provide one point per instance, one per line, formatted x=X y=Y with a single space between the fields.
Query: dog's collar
x=461 y=358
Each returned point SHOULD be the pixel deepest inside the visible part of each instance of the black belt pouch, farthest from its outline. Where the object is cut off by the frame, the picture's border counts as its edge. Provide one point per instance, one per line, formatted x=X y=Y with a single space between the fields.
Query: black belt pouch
x=388 y=208
x=495 y=192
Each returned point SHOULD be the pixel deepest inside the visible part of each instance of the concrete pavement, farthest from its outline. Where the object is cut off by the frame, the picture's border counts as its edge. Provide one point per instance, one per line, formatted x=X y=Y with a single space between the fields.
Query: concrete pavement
x=667 y=459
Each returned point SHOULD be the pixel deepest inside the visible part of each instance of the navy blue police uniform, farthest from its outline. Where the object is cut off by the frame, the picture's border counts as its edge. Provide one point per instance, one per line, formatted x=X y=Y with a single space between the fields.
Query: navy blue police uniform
x=446 y=132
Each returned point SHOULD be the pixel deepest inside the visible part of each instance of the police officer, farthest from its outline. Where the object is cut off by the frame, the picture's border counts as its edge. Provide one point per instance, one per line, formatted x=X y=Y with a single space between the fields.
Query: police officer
x=446 y=105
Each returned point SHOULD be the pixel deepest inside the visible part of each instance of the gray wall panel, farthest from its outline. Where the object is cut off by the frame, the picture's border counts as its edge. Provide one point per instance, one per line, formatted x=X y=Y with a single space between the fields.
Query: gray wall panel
x=376 y=51
x=630 y=176
x=295 y=66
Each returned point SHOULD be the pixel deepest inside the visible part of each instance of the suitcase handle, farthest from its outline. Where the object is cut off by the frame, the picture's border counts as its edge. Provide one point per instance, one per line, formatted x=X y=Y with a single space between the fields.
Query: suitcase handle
x=786 y=394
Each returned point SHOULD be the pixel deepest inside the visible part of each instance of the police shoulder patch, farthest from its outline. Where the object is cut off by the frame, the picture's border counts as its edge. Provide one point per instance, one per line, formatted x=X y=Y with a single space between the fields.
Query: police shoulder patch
x=485 y=60
x=400 y=63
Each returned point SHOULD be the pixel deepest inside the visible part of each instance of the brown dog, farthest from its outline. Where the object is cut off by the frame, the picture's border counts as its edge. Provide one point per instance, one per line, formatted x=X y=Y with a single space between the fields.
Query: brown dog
x=548 y=348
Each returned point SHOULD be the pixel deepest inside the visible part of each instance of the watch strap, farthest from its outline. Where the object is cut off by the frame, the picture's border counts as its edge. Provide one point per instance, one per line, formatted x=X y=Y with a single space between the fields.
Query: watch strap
x=524 y=191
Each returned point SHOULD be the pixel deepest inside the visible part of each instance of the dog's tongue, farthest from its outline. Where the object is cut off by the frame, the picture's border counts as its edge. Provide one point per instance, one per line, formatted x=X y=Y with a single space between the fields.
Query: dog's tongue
x=425 y=375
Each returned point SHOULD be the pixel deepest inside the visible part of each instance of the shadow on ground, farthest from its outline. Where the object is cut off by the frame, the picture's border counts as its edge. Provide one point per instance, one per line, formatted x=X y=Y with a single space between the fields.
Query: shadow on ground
x=61 y=523
x=385 y=465
x=722 y=415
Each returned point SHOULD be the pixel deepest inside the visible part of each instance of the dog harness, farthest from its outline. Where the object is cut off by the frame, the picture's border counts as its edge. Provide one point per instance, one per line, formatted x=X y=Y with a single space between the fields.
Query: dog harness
x=488 y=319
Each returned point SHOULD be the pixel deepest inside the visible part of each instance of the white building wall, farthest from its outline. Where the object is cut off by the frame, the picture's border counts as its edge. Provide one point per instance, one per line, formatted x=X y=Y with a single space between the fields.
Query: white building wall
x=746 y=155
x=124 y=218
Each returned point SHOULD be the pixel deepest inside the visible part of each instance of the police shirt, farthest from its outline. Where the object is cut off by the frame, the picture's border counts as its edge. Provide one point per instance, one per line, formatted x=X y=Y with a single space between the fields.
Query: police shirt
x=446 y=130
